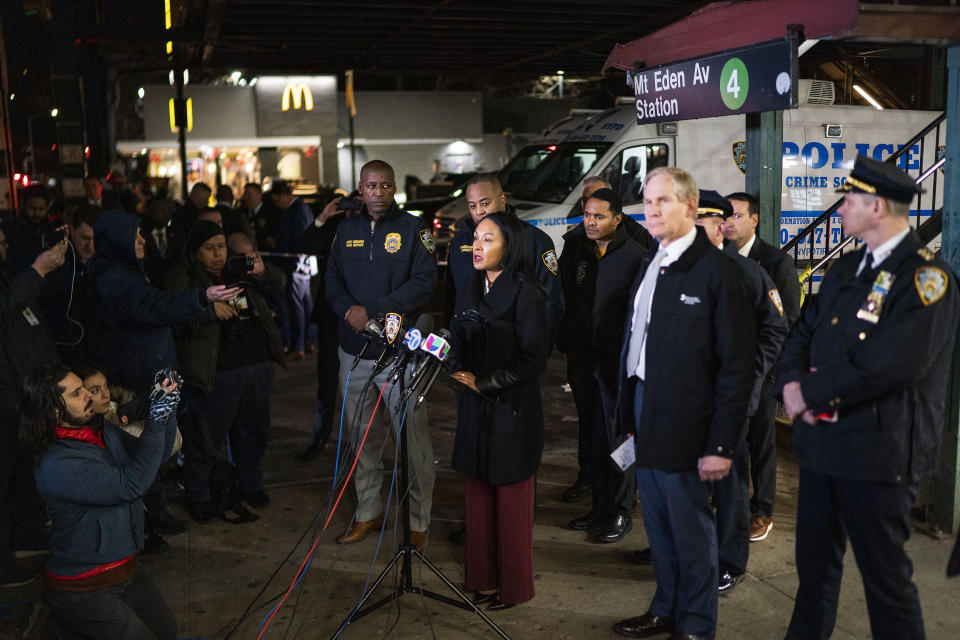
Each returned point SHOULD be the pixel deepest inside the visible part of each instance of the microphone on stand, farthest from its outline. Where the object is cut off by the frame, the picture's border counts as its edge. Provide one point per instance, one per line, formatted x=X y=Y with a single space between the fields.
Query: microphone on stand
x=372 y=332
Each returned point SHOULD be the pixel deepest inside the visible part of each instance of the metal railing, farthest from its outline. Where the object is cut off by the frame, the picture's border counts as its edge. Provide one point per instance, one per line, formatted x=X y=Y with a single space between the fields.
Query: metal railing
x=821 y=226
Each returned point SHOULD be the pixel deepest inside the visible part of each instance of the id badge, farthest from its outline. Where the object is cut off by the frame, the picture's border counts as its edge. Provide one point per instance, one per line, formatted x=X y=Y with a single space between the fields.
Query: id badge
x=871 y=307
x=30 y=317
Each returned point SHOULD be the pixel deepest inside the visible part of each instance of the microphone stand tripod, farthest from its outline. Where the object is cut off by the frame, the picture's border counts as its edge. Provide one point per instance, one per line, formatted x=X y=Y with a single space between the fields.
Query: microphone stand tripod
x=406 y=551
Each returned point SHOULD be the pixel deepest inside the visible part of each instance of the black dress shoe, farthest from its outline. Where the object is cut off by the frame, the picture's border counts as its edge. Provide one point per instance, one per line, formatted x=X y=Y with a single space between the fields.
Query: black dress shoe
x=728 y=581
x=588 y=520
x=459 y=536
x=500 y=605
x=642 y=556
x=256 y=499
x=578 y=490
x=643 y=626
x=484 y=598
x=679 y=635
x=166 y=524
x=615 y=529
x=202 y=511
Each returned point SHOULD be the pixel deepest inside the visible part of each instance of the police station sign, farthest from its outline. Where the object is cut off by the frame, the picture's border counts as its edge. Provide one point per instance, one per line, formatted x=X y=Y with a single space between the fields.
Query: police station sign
x=747 y=80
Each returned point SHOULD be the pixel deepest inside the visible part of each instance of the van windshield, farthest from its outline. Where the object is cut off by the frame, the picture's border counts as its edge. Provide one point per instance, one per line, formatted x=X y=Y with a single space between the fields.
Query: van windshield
x=563 y=169
x=526 y=160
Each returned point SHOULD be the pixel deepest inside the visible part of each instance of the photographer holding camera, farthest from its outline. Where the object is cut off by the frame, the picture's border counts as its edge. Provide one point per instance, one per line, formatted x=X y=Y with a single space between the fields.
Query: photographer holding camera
x=225 y=354
x=91 y=476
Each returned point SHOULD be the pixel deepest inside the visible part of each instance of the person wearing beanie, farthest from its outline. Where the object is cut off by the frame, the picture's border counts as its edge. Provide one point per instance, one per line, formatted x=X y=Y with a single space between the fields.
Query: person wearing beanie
x=225 y=355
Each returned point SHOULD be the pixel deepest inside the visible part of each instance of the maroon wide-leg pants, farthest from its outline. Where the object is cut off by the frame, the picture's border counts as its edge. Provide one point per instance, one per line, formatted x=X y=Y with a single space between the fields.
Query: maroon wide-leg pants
x=500 y=539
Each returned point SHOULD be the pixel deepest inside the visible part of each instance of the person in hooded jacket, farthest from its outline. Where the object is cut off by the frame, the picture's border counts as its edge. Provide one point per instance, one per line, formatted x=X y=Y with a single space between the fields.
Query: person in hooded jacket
x=500 y=349
x=130 y=321
x=225 y=355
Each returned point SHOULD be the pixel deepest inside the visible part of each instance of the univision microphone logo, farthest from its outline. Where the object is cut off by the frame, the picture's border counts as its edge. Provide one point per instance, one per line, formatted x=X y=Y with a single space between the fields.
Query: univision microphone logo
x=413 y=339
x=436 y=346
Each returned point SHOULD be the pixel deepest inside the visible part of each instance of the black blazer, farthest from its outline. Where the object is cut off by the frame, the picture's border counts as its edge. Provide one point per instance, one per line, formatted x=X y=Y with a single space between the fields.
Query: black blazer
x=502 y=338
x=701 y=349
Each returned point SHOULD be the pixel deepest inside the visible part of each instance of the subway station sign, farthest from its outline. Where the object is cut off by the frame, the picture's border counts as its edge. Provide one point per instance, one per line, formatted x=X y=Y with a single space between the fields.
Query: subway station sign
x=747 y=80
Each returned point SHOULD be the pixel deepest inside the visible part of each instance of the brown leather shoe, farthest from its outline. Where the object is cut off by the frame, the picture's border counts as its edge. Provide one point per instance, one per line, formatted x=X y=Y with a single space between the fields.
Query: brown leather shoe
x=419 y=539
x=643 y=626
x=360 y=530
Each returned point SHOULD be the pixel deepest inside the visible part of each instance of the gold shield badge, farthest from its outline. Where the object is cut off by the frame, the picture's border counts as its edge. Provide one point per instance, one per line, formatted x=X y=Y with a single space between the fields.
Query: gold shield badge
x=392 y=243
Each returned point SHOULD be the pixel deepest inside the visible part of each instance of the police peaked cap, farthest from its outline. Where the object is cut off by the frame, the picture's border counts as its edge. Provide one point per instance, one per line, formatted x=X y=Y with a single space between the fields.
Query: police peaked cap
x=882 y=179
x=712 y=204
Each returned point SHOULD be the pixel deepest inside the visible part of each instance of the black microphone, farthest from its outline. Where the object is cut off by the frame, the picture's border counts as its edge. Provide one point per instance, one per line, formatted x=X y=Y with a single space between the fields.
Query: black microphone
x=372 y=332
x=410 y=346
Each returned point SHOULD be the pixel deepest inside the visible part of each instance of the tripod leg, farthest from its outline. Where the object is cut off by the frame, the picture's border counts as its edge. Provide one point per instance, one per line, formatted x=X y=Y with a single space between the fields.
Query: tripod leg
x=461 y=595
x=357 y=613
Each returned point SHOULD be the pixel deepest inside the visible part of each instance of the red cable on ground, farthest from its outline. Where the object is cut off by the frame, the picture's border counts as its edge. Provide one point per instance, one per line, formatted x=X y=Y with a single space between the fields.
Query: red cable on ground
x=332 y=511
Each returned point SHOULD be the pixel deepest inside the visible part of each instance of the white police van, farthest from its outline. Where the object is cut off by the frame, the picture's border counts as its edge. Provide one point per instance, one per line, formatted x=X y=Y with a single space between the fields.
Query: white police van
x=819 y=145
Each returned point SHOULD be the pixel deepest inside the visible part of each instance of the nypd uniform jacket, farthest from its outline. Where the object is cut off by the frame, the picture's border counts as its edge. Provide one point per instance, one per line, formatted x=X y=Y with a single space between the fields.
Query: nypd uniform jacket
x=390 y=267
x=543 y=261
x=700 y=350
x=784 y=275
x=772 y=326
x=882 y=368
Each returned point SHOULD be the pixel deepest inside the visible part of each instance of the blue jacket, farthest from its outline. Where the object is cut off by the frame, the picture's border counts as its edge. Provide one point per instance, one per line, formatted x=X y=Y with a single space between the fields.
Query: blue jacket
x=390 y=267
x=128 y=318
x=93 y=495
x=541 y=256
x=293 y=223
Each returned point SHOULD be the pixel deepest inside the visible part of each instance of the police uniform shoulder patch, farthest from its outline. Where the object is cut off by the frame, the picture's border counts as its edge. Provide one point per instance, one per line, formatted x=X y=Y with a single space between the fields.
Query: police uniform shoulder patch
x=392 y=242
x=550 y=260
x=427 y=239
x=931 y=284
x=775 y=299
x=925 y=253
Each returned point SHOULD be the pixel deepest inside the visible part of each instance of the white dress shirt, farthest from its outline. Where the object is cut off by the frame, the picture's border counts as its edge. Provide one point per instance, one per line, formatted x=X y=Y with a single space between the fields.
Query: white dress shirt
x=745 y=249
x=674 y=250
x=883 y=251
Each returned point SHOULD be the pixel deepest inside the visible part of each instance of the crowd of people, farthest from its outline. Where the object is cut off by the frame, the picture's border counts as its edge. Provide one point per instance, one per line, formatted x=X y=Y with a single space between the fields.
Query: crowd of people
x=141 y=334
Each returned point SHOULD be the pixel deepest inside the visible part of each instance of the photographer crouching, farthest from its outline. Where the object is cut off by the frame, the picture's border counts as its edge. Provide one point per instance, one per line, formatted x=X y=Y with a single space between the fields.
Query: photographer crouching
x=225 y=356
x=91 y=476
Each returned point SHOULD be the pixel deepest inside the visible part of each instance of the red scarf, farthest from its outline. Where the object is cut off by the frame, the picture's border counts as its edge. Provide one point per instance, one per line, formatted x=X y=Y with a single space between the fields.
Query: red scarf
x=83 y=434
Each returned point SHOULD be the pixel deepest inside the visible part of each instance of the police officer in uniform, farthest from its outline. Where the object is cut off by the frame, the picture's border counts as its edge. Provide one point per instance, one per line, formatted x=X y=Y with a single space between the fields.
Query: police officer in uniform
x=382 y=262
x=597 y=267
x=863 y=376
x=740 y=230
x=730 y=495
x=485 y=196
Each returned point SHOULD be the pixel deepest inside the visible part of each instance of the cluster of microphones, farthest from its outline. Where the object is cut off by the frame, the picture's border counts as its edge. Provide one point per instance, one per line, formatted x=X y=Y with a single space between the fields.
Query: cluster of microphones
x=427 y=352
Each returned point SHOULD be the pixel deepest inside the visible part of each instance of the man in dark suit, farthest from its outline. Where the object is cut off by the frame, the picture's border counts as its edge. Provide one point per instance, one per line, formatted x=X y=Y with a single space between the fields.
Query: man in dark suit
x=740 y=230
x=864 y=378
x=597 y=266
x=686 y=372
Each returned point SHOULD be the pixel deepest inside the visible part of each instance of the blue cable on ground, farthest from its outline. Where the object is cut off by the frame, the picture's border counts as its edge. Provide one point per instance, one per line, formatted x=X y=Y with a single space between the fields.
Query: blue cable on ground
x=296 y=582
x=393 y=480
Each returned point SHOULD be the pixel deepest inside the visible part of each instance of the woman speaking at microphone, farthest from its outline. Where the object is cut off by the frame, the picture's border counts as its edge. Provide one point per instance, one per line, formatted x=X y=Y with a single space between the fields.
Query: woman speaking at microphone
x=501 y=347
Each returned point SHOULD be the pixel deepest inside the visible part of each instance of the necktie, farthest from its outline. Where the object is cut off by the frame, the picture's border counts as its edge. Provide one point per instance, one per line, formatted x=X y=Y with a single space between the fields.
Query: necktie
x=638 y=331
x=160 y=235
x=867 y=272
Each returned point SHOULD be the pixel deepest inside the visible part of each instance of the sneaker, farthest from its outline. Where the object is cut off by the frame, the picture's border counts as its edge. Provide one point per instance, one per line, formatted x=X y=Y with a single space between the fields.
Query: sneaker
x=13 y=575
x=760 y=527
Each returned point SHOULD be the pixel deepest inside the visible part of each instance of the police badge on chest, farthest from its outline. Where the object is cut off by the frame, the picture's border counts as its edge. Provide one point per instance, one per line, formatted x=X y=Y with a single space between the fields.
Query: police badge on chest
x=871 y=307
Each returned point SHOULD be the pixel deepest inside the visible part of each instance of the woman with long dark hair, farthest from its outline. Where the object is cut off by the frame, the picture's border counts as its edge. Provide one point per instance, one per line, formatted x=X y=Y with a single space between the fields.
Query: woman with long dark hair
x=501 y=346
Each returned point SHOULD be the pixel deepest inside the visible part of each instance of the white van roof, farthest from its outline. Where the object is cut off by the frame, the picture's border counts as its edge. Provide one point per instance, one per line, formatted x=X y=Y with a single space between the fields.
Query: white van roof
x=606 y=126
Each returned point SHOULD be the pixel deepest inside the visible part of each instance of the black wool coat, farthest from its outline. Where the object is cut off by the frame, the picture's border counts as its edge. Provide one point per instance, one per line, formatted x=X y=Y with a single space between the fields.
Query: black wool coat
x=502 y=338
